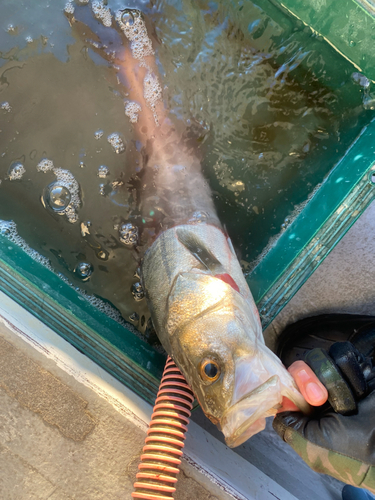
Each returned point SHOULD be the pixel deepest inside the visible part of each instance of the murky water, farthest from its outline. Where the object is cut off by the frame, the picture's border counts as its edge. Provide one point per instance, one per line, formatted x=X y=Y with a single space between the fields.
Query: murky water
x=270 y=107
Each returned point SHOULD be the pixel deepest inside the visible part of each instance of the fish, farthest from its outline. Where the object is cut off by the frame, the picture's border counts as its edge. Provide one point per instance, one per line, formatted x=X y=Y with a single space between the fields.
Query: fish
x=206 y=319
x=200 y=303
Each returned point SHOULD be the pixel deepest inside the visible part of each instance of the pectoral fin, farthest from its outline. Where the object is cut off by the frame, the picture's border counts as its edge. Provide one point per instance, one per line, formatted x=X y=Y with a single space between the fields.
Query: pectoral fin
x=198 y=248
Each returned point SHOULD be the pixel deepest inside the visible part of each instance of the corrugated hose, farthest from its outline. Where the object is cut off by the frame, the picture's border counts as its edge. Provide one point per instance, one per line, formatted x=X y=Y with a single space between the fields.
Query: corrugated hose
x=162 y=453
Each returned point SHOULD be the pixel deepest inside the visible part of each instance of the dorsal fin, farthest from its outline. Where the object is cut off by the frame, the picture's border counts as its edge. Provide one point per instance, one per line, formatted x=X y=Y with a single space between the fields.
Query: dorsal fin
x=199 y=249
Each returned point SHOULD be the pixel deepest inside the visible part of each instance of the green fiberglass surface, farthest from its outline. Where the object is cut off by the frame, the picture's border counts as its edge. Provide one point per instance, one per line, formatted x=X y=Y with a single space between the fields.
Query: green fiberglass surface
x=287 y=189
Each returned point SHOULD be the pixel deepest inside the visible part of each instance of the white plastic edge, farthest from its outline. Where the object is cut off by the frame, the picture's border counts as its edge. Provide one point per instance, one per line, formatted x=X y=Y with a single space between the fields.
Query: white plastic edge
x=234 y=475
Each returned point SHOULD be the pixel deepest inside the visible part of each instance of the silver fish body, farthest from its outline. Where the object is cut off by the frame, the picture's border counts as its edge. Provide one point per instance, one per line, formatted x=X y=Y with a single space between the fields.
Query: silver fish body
x=206 y=319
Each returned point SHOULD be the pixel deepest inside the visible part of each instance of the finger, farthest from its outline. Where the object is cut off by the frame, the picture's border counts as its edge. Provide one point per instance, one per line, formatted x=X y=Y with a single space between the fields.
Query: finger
x=308 y=383
x=287 y=405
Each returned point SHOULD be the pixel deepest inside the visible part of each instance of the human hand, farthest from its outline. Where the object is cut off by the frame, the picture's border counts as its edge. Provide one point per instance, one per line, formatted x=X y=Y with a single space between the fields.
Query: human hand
x=309 y=385
x=331 y=443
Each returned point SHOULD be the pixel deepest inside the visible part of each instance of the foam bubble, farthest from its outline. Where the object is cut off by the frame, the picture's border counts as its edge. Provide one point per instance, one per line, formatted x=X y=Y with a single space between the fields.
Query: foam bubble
x=128 y=234
x=98 y=134
x=9 y=230
x=65 y=179
x=137 y=291
x=116 y=142
x=103 y=171
x=132 y=109
x=134 y=317
x=152 y=89
x=45 y=165
x=69 y=8
x=6 y=106
x=29 y=39
x=102 y=13
x=134 y=28
x=16 y=171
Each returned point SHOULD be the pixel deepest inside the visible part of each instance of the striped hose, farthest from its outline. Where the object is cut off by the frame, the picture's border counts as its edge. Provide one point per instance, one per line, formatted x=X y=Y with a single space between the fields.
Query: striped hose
x=162 y=453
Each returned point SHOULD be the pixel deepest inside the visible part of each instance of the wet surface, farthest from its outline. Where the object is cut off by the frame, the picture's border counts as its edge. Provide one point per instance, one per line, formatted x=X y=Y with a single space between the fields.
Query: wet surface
x=270 y=107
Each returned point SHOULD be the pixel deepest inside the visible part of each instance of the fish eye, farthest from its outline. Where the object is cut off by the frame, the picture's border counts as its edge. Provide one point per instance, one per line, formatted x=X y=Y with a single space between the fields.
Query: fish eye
x=209 y=370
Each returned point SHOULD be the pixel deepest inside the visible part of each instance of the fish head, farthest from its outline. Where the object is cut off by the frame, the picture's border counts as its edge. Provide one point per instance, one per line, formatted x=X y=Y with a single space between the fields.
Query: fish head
x=216 y=340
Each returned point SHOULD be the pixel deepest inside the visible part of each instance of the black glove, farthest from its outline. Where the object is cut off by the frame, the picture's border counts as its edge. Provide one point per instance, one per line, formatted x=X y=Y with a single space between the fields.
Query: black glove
x=342 y=446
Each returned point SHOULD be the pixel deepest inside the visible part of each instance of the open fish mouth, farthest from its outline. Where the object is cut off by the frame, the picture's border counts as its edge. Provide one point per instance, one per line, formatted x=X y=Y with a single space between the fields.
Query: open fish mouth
x=248 y=415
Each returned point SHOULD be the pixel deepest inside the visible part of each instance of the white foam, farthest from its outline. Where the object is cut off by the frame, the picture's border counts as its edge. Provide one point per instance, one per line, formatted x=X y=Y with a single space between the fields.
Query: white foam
x=152 y=89
x=16 y=171
x=134 y=28
x=132 y=109
x=102 y=13
x=136 y=33
x=69 y=8
x=116 y=142
x=45 y=165
x=9 y=230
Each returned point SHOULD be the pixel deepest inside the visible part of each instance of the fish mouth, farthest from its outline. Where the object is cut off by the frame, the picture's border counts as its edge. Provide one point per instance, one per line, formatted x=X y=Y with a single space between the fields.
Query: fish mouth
x=248 y=415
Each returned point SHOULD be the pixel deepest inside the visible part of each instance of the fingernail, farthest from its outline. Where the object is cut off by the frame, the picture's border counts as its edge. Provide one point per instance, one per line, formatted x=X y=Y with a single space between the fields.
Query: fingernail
x=314 y=392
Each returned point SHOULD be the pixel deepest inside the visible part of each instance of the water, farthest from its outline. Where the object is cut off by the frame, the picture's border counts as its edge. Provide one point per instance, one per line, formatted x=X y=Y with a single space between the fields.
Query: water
x=269 y=107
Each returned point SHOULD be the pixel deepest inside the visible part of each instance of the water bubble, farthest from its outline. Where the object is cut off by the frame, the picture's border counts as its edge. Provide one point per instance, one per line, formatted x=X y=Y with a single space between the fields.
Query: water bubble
x=102 y=189
x=16 y=171
x=84 y=270
x=127 y=17
x=116 y=142
x=137 y=291
x=198 y=217
x=81 y=164
x=6 y=106
x=134 y=317
x=98 y=134
x=29 y=39
x=286 y=223
x=128 y=234
x=58 y=197
x=103 y=171
x=67 y=183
